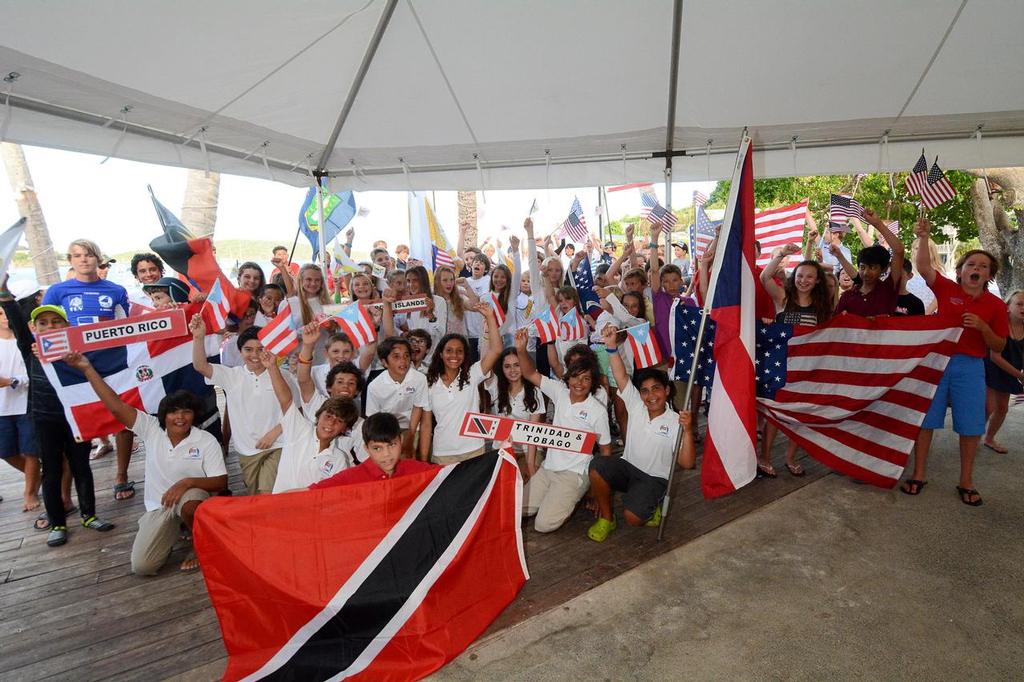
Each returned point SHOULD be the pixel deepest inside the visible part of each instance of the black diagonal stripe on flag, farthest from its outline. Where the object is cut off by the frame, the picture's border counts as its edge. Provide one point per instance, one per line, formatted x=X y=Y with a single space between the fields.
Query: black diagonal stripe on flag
x=341 y=640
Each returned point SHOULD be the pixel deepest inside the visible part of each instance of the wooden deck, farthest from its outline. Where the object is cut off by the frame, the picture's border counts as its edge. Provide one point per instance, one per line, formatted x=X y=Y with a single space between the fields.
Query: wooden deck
x=75 y=612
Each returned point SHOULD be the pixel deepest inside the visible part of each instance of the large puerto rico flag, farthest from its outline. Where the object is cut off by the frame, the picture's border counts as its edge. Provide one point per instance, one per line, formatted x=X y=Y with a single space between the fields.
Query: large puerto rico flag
x=730 y=456
x=386 y=580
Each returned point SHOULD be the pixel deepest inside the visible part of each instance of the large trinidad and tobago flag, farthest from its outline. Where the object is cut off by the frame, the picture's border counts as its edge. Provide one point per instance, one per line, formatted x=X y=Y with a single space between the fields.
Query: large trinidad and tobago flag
x=383 y=580
x=730 y=459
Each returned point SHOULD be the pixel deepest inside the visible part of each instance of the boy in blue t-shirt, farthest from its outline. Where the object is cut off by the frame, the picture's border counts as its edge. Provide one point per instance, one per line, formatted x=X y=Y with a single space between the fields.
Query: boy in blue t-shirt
x=87 y=298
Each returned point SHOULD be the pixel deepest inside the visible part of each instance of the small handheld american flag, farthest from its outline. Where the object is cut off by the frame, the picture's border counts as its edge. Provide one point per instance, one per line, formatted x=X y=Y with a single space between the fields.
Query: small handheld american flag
x=575 y=225
x=658 y=214
x=932 y=186
x=841 y=206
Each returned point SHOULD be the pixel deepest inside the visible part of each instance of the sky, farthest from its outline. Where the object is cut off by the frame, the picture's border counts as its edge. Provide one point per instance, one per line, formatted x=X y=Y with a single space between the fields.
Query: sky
x=108 y=203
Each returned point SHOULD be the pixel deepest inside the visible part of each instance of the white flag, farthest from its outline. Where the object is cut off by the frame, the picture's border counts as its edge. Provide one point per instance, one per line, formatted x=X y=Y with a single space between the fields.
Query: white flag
x=9 y=244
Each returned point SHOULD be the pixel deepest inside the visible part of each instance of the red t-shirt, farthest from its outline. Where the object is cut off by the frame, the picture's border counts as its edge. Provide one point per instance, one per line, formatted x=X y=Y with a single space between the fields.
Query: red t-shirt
x=293 y=268
x=953 y=302
x=368 y=471
x=879 y=301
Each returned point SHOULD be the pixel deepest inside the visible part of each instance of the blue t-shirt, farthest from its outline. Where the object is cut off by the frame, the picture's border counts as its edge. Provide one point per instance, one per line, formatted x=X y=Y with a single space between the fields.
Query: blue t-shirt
x=88 y=302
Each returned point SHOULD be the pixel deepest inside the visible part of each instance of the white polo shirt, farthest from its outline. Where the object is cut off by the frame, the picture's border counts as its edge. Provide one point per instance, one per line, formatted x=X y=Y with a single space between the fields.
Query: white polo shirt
x=586 y=415
x=303 y=463
x=352 y=441
x=198 y=455
x=318 y=373
x=397 y=397
x=418 y=319
x=517 y=405
x=474 y=320
x=649 y=442
x=449 y=404
x=252 y=406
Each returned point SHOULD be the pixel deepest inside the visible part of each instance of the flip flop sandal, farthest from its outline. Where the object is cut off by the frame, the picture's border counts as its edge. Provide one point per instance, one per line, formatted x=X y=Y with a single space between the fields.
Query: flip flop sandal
x=966 y=494
x=996 y=448
x=912 y=486
x=128 y=487
x=42 y=522
x=195 y=567
x=765 y=471
x=795 y=469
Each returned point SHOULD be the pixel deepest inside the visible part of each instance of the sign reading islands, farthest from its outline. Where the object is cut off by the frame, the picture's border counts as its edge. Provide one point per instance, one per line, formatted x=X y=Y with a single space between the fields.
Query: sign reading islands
x=521 y=432
x=404 y=305
x=165 y=324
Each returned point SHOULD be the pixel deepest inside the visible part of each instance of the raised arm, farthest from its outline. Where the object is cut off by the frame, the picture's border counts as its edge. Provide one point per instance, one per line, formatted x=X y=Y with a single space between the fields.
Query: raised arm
x=121 y=410
x=837 y=252
x=652 y=258
x=526 y=365
x=517 y=268
x=610 y=336
x=813 y=235
x=895 y=245
x=281 y=390
x=536 y=283
x=768 y=274
x=494 y=347
x=350 y=236
x=199 y=360
x=923 y=263
x=388 y=314
x=310 y=337
x=616 y=266
x=858 y=226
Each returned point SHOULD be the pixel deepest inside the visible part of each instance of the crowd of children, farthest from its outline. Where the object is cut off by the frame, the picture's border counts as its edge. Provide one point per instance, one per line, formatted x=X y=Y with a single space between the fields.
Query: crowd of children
x=341 y=410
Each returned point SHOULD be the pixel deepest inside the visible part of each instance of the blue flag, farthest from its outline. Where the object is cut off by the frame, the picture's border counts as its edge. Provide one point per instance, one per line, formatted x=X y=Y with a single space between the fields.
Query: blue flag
x=339 y=209
x=583 y=281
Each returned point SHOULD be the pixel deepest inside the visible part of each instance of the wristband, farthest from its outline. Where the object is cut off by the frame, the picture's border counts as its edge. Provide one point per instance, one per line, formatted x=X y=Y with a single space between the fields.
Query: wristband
x=303 y=361
x=611 y=351
x=652 y=245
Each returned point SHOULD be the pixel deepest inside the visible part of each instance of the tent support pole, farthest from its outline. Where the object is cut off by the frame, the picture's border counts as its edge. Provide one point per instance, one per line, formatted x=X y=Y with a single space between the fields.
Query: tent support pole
x=321 y=232
x=600 y=215
x=357 y=82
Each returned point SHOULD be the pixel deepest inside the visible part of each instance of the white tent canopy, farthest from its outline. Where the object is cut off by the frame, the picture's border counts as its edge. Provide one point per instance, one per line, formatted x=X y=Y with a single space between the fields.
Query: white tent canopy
x=462 y=94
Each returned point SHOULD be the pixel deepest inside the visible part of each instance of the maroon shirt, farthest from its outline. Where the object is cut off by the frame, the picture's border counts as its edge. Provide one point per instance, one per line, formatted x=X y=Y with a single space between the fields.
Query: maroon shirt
x=368 y=471
x=880 y=301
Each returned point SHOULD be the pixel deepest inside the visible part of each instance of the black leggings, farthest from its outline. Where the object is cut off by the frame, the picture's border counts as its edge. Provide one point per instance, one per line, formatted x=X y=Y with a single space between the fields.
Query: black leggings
x=55 y=443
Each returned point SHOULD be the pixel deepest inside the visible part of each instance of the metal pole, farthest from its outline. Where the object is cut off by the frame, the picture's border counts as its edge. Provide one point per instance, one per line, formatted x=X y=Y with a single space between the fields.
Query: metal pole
x=320 y=223
x=291 y=255
x=357 y=82
x=600 y=216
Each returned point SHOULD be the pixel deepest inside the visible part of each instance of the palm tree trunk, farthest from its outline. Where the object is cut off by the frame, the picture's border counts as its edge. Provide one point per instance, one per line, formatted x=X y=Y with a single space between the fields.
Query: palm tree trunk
x=467 y=219
x=40 y=246
x=199 y=207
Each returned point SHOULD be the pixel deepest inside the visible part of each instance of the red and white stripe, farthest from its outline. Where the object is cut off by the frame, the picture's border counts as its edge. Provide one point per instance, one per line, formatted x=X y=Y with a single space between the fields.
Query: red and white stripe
x=699 y=198
x=279 y=336
x=499 y=314
x=778 y=227
x=934 y=193
x=857 y=391
x=643 y=346
x=572 y=326
x=547 y=328
x=357 y=325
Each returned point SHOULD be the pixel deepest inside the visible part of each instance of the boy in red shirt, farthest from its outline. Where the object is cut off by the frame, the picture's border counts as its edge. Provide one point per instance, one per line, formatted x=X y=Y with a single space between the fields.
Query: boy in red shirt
x=383 y=438
x=966 y=302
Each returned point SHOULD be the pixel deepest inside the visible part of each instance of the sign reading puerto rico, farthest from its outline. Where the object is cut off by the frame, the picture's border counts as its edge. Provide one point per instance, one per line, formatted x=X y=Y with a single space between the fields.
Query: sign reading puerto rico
x=521 y=432
x=166 y=324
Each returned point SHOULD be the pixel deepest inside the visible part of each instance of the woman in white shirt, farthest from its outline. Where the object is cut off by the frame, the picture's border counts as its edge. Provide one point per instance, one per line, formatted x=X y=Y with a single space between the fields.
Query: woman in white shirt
x=512 y=397
x=452 y=391
x=433 y=320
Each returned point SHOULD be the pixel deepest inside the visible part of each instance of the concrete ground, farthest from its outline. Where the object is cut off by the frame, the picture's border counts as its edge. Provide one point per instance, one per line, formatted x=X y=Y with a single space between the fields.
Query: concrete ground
x=834 y=581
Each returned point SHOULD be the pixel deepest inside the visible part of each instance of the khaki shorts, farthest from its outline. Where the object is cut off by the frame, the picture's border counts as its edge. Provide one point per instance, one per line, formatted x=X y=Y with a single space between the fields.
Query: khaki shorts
x=259 y=471
x=452 y=459
x=158 y=531
x=552 y=496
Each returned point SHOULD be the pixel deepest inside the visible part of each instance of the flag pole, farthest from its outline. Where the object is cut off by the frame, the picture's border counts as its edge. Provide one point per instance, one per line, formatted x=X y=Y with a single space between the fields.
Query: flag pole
x=320 y=222
x=730 y=209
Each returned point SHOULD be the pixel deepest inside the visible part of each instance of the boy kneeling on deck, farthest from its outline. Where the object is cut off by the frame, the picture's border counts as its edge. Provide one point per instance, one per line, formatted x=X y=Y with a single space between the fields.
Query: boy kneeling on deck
x=184 y=466
x=641 y=474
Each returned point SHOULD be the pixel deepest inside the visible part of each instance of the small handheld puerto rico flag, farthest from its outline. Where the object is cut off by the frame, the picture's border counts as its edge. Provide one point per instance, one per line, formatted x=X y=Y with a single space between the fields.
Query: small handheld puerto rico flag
x=218 y=305
x=280 y=336
x=499 y=314
x=572 y=326
x=547 y=331
x=643 y=345
x=357 y=324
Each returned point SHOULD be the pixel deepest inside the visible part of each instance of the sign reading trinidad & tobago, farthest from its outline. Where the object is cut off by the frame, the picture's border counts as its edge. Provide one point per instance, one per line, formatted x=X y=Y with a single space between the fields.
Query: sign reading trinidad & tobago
x=476 y=425
x=165 y=324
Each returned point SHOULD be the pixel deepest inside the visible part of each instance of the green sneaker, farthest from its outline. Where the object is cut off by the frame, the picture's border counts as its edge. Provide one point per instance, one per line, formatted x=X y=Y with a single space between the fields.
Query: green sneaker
x=601 y=529
x=655 y=519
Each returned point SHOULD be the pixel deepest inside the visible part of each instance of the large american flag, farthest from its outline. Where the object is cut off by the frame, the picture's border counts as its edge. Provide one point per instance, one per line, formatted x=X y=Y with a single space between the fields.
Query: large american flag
x=658 y=214
x=778 y=227
x=933 y=187
x=702 y=233
x=842 y=207
x=575 y=226
x=852 y=393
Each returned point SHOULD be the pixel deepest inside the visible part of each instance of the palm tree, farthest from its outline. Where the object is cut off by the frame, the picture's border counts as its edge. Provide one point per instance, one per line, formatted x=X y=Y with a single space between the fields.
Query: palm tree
x=467 y=220
x=199 y=207
x=39 y=244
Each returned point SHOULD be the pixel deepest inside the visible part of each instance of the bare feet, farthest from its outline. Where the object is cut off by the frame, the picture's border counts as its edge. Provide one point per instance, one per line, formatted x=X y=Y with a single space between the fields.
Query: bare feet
x=993 y=445
x=31 y=503
x=191 y=563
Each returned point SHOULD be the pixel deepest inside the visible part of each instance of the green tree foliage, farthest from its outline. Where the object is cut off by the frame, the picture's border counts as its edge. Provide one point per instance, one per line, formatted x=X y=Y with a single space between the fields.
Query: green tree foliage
x=883 y=193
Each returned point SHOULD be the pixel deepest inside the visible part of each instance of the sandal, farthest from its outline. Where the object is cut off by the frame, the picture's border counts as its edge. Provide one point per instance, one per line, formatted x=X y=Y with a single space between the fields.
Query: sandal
x=95 y=524
x=996 y=447
x=190 y=563
x=765 y=470
x=101 y=451
x=127 y=488
x=655 y=519
x=58 y=536
x=795 y=469
x=912 y=486
x=966 y=494
x=601 y=529
x=42 y=522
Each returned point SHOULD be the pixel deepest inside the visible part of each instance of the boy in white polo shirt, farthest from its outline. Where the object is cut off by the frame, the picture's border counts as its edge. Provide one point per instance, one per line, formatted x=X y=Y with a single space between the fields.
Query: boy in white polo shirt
x=558 y=486
x=312 y=449
x=184 y=466
x=255 y=412
x=641 y=474
x=399 y=391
